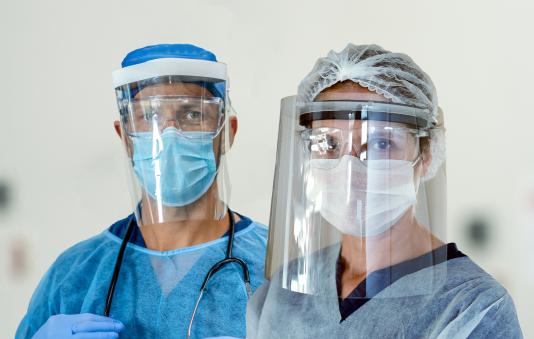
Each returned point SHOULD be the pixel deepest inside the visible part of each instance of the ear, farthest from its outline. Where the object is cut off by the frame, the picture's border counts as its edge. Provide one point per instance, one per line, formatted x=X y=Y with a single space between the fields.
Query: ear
x=127 y=142
x=233 y=128
x=426 y=160
x=117 y=126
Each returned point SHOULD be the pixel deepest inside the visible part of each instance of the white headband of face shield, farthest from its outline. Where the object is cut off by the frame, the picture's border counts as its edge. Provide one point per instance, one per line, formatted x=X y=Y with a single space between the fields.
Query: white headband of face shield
x=167 y=67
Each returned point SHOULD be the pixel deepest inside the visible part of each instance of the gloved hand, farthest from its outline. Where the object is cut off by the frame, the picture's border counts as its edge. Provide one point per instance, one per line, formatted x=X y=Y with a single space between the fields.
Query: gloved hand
x=79 y=326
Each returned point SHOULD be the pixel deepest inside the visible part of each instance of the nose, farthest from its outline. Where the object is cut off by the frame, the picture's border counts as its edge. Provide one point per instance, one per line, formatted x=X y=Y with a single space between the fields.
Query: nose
x=359 y=151
x=170 y=123
x=169 y=118
x=358 y=144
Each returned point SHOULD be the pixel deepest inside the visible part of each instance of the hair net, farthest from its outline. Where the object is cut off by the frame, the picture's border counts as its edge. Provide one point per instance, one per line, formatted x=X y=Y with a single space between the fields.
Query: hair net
x=393 y=75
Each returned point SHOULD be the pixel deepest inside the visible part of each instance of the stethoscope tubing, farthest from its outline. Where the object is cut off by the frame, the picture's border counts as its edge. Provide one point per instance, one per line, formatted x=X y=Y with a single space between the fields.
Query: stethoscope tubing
x=214 y=269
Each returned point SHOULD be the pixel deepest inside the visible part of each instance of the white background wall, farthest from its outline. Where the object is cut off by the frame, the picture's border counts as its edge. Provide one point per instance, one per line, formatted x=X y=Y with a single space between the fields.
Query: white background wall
x=59 y=152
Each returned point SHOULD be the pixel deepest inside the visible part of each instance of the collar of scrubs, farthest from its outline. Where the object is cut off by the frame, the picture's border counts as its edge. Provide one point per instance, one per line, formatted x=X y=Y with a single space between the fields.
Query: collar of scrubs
x=119 y=229
x=385 y=277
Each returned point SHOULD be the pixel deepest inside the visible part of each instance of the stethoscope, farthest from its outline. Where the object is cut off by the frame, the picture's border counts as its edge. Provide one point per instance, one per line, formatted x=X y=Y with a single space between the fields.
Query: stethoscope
x=214 y=269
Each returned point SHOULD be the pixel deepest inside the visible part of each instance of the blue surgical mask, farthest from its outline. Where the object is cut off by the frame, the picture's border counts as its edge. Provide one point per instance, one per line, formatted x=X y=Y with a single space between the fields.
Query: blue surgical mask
x=176 y=168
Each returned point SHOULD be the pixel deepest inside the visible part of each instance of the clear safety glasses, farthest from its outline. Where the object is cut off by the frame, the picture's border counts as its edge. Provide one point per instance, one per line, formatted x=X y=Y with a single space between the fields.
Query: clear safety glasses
x=366 y=140
x=194 y=117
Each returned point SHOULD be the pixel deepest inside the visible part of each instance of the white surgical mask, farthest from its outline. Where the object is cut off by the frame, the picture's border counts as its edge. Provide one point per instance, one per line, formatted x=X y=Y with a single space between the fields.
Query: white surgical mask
x=361 y=200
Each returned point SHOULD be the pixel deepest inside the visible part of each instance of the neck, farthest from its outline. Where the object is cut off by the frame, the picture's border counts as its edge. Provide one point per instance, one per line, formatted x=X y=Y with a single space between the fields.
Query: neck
x=360 y=256
x=167 y=228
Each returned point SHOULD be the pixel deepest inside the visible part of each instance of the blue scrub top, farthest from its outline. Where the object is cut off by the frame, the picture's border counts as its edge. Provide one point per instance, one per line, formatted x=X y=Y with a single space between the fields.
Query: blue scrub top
x=156 y=291
x=119 y=229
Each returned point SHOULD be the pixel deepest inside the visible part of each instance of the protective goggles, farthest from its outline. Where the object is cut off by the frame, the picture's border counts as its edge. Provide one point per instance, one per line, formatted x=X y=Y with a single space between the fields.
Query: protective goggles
x=366 y=130
x=187 y=114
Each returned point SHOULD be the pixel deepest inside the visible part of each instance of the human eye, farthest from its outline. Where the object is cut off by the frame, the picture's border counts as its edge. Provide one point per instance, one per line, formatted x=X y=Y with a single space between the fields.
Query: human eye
x=332 y=143
x=324 y=144
x=143 y=115
x=380 y=144
x=192 y=116
x=148 y=115
x=143 y=110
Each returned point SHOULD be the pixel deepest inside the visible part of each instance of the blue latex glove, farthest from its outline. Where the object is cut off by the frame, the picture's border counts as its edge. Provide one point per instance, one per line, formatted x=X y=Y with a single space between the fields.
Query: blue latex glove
x=79 y=326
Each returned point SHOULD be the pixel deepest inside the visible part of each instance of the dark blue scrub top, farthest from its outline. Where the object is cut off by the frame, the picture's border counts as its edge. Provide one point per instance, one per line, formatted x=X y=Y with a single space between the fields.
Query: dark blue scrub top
x=119 y=229
x=379 y=280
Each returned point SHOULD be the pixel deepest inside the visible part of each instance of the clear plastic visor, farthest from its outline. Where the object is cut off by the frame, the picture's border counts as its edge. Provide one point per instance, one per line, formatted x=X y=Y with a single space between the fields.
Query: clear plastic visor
x=175 y=134
x=350 y=212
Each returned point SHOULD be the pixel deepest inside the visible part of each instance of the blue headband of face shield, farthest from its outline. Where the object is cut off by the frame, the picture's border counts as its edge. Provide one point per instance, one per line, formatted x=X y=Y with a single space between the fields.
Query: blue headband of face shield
x=179 y=51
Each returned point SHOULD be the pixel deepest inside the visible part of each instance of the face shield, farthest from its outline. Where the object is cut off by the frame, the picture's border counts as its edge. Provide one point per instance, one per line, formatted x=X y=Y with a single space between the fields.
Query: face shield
x=352 y=208
x=174 y=122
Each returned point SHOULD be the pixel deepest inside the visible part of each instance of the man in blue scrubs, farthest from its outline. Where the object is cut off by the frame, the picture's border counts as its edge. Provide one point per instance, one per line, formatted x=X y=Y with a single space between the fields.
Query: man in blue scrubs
x=177 y=128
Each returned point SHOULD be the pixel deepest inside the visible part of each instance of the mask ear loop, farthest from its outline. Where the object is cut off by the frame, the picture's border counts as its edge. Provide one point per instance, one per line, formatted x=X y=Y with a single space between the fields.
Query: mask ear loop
x=417 y=160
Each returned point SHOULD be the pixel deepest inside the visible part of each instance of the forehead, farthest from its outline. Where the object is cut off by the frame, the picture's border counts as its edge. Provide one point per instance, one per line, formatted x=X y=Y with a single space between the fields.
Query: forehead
x=349 y=90
x=180 y=88
x=355 y=124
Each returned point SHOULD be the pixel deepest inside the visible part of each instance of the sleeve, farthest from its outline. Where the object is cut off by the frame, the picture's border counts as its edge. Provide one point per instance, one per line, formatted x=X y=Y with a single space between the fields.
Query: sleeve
x=254 y=308
x=43 y=304
x=500 y=321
